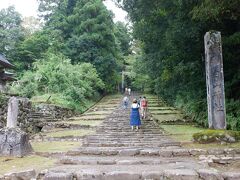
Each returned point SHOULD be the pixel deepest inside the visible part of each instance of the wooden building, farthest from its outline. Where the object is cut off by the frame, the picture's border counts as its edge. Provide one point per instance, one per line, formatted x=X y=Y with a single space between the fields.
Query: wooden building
x=4 y=75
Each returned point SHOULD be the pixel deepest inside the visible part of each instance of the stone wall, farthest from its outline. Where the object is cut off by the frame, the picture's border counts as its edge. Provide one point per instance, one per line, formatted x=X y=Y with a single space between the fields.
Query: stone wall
x=25 y=108
x=32 y=118
x=55 y=111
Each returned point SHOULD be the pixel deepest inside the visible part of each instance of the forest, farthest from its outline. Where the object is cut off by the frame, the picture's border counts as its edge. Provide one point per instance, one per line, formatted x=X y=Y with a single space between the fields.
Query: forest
x=170 y=35
x=78 y=53
x=74 y=57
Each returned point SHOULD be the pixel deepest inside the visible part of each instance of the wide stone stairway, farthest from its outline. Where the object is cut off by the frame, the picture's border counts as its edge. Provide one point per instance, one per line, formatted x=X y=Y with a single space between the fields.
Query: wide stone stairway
x=117 y=152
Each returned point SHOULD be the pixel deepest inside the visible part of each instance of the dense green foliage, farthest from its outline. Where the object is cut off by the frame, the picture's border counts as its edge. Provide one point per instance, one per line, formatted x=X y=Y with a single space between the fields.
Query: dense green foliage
x=75 y=56
x=55 y=75
x=171 y=33
x=11 y=31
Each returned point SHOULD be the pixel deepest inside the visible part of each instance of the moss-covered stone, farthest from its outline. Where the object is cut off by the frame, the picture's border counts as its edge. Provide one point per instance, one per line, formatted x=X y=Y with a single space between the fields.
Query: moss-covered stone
x=210 y=136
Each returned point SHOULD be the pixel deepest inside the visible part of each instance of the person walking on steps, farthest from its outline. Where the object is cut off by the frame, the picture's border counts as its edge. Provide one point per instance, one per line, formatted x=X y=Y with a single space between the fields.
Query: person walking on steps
x=129 y=91
x=135 y=115
x=125 y=102
x=144 y=107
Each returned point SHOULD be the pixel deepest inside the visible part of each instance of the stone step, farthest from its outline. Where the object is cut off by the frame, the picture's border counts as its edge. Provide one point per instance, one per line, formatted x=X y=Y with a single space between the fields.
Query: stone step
x=137 y=144
x=171 y=171
x=120 y=160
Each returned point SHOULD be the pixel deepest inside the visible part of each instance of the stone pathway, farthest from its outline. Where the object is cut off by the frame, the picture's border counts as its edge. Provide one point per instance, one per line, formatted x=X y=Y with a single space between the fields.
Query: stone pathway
x=109 y=149
x=117 y=152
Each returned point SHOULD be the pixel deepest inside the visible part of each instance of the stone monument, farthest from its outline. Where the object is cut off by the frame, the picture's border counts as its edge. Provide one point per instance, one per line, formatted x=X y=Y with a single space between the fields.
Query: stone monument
x=13 y=141
x=215 y=80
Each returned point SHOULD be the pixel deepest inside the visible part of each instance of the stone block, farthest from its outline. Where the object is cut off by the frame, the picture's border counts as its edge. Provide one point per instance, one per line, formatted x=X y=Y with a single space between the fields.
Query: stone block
x=209 y=174
x=89 y=174
x=231 y=175
x=166 y=153
x=110 y=152
x=129 y=152
x=152 y=175
x=216 y=151
x=58 y=176
x=14 y=142
x=149 y=152
x=128 y=162
x=180 y=174
x=23 y=175
x=197 y=152
x=122 y=175
x=181 y=152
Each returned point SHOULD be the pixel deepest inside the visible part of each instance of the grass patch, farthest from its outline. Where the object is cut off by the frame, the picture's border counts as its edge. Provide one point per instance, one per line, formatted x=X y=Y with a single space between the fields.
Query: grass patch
x=169 y=117
x=210 y=135
x=70 y=133
x=161 y=108
x=54 y=146
x=182 y=133
x=165 y=112
x=11 y=164
x=59 y=100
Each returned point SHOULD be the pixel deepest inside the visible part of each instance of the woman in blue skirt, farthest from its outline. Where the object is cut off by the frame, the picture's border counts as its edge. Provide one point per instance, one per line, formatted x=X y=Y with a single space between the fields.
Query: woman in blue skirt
x=135 y=116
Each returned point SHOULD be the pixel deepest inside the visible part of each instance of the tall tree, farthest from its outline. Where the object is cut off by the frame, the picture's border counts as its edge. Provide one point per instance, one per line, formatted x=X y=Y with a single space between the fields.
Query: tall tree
x=11 y=31
x=92 y=38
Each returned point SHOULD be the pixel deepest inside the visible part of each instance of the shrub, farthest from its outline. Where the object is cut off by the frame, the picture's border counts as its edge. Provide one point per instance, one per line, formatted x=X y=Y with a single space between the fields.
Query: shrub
x=56 y=75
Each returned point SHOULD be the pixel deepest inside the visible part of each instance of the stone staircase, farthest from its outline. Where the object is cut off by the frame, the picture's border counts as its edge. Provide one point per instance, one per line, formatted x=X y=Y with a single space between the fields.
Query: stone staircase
x=117 y=152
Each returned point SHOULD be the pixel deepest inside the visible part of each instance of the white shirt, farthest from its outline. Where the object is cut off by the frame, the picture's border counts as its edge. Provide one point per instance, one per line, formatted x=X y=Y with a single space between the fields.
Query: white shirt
x=135 y=105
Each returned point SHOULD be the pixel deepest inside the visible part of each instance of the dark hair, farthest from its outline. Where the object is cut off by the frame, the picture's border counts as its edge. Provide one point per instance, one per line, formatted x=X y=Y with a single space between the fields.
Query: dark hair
x=134 y=101
x=144 y=97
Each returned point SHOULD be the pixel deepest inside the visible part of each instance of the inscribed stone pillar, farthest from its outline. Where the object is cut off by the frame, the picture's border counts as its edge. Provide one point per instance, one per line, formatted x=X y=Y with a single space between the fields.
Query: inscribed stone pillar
x=12 y=113
x=215 y=80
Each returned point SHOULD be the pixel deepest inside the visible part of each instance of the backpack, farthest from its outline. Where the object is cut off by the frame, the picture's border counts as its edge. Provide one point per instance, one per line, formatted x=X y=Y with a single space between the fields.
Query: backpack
x=144 y=103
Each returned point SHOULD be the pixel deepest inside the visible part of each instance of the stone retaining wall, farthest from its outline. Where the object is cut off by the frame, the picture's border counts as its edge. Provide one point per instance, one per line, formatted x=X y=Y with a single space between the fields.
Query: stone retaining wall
x=25 y=107
x=55 y=111
x=28 y=121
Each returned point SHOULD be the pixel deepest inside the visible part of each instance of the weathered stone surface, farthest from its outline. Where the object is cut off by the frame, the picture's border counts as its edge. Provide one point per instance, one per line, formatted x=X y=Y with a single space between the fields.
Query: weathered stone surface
x=215 y=81
x=180 y=174
x=149 y=152
x=110 y=152
x=122 y=175
x=89 y=175
x=216 y=151
x=128 y=152
x=14 y=142
x=23 y=175
x=181 y=152
x=209 y=174
x=12 y=113
x=58 y=176
x=166 y=153
x=153 y=175
x=231 y=175
x=196 y=152
x=128 y=162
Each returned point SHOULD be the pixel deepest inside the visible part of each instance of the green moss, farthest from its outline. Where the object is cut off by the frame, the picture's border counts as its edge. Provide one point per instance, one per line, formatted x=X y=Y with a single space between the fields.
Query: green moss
x=181 y=133
x=209 y=136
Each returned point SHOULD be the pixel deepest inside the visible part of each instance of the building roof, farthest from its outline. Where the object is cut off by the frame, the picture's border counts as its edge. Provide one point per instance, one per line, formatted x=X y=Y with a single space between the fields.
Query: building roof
x=5 y=63
x=7 y=76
